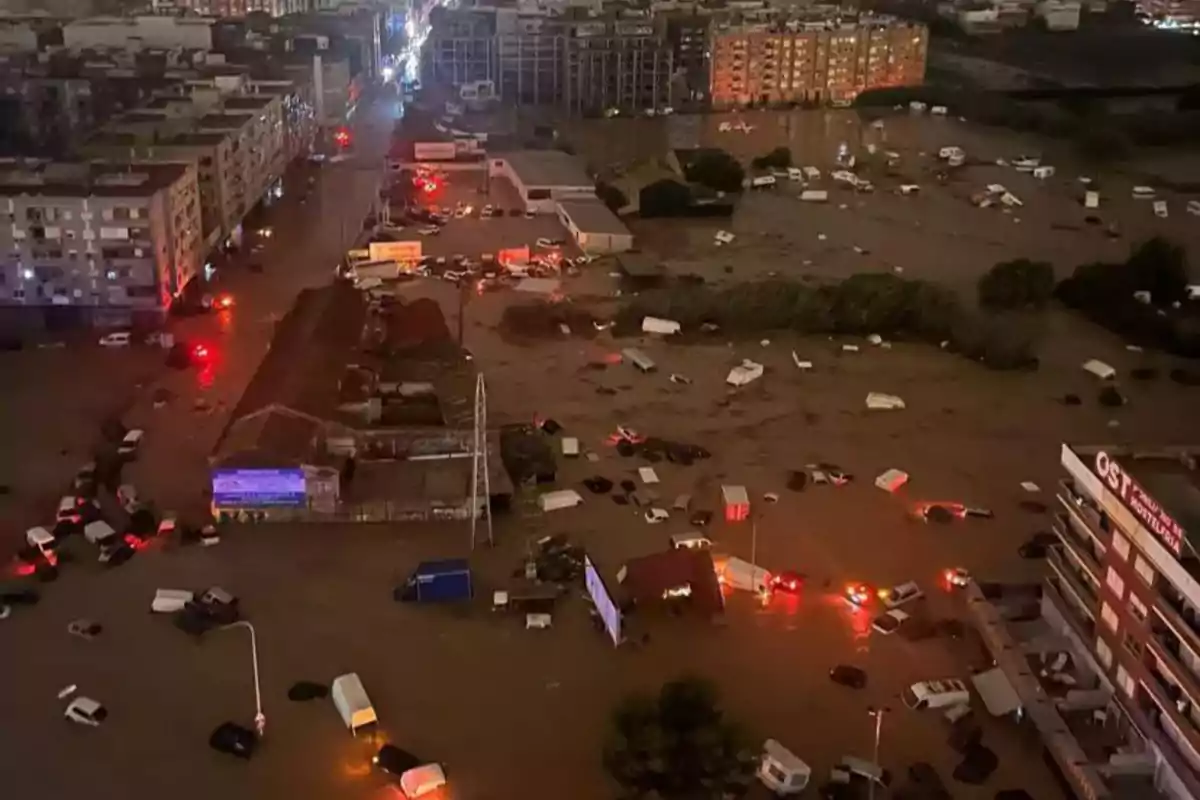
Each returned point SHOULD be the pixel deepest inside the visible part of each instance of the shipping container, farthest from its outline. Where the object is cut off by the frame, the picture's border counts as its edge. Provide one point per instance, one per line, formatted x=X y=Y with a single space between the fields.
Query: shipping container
x=438 y=582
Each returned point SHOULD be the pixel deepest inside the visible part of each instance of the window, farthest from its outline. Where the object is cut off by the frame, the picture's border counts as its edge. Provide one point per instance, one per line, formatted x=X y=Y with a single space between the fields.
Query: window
x=1136 y=607
x=1125 y=681
x=538 y=194
x=1121 y=545
x=1104 y=653
x=1144 y=570
x=1116 y=583
x=1110 y=617
x=1132 y=644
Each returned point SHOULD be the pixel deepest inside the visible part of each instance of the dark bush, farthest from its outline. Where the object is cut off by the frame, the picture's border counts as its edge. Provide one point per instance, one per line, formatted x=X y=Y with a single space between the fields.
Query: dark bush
x=717 y=170
x=611 y=196
x=665 y=198
x=861 y=304
x=779 y=158
x=1015 y=285
x=1104 y=293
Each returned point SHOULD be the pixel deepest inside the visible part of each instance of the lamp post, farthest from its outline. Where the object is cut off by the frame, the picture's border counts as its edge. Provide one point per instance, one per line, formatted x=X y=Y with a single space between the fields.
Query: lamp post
x=877 y=713
x=260 y=719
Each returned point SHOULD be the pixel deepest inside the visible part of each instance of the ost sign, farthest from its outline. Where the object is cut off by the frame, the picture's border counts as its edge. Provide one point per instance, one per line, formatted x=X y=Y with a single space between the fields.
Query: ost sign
x=1139 y=502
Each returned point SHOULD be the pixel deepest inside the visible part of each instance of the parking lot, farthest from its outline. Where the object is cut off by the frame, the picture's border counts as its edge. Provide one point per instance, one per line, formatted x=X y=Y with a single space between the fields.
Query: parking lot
x=474 y=235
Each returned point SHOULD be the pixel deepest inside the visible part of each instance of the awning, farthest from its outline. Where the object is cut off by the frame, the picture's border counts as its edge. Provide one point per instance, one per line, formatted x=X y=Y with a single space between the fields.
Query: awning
x=997 y=692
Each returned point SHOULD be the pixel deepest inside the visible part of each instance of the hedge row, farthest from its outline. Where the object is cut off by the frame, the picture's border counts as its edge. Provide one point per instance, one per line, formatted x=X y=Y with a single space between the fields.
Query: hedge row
x=862 y=304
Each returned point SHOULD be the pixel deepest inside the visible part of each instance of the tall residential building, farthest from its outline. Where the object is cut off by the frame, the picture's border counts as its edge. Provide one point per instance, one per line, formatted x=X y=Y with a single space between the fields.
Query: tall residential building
x=580 y=64
x=101 y=244
x=625 y=64
x=237 y=142
x=829 y=60
x=1125 y=579
x=688 y=35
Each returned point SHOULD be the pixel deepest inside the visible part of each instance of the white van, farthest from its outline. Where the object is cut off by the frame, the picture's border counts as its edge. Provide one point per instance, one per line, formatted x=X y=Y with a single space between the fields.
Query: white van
x=1091 y=199
x=781 y=771
x=129 y=445
x=639 y=359
x=563 y=498
x=570 y=447
x=936 y=694
x=352 y=702
x=168 y=601
x=795 y=174
x=745 y=576
x=98 y=531
x=41 y=540
x=690 y=541
x=814 y=196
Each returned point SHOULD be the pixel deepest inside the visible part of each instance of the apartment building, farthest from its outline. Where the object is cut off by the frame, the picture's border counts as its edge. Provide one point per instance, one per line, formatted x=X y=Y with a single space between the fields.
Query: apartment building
x=801 y=60
x=231 y=8
x=237 y=142
x=688 y=36
x=1125 y=578
x=100 y=244
x=624 y=64
x=580 y=64
x=189 y=33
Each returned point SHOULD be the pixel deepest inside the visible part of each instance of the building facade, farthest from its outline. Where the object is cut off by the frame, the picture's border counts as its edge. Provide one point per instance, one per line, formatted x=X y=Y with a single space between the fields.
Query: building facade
x=1125 y=576
x=581 y=65
x=237 y=143
x=814 y=62
x=232 y=8
x=98 y=244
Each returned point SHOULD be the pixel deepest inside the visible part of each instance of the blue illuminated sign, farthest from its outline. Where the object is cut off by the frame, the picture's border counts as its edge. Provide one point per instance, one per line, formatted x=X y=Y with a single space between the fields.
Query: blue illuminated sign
x=259 y=488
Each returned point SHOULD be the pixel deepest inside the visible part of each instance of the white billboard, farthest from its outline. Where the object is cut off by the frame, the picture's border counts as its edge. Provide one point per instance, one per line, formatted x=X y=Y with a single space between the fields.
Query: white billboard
x=605 y=606
x=434 y=151
x=403 y=252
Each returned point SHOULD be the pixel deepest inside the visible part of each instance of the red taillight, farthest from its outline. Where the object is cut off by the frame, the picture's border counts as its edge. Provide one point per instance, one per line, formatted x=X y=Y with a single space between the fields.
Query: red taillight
x=200 y=352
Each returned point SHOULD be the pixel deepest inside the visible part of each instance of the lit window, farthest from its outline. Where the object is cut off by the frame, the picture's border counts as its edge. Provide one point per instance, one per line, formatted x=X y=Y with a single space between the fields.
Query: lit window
x=1115 y=583
x=1109 y=617
x=1144 y=570
x=1125 y=681
x=1104 y=653
x=1137 y=608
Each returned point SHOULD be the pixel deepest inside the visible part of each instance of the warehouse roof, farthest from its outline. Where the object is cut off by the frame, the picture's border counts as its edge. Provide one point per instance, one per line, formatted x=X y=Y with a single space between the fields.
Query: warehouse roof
x=547 y=168
x=592 y=216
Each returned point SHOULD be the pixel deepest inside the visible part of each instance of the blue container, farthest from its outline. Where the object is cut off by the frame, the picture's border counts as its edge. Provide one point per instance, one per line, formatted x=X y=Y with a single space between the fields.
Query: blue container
x=438 y=582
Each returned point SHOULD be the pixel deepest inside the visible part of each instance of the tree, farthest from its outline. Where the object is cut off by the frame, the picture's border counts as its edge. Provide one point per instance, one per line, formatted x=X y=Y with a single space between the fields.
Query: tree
x=677 y=745
x=779 y=158
x=716 y=169
x=1018 y=284
x=664 y=198
x=611 y=196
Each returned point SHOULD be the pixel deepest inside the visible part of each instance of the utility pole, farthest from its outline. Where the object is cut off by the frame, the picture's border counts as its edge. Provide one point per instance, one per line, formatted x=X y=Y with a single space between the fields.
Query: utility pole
x=480 y=480
x=877 y=713
x=260 y=719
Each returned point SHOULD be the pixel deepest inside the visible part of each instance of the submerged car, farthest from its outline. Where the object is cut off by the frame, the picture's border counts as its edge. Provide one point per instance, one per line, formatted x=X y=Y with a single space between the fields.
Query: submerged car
x=846 y=675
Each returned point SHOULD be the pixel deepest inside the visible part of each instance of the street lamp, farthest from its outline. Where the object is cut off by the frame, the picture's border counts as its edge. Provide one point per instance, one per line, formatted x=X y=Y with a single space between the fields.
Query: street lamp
x=877 y=713
x=260 y=719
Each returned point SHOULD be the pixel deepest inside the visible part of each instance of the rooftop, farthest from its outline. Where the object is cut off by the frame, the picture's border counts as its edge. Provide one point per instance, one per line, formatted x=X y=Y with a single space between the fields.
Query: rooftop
x=86 y=180
x=592 y=216
x=547 y=168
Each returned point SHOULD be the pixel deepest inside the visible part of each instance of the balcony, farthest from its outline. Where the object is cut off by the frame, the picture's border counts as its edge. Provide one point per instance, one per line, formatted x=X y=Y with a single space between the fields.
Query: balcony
x=1149 y=709
x=1168 y=649
x=1085 y=548
x=1056 y=589
x=1081 y=585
